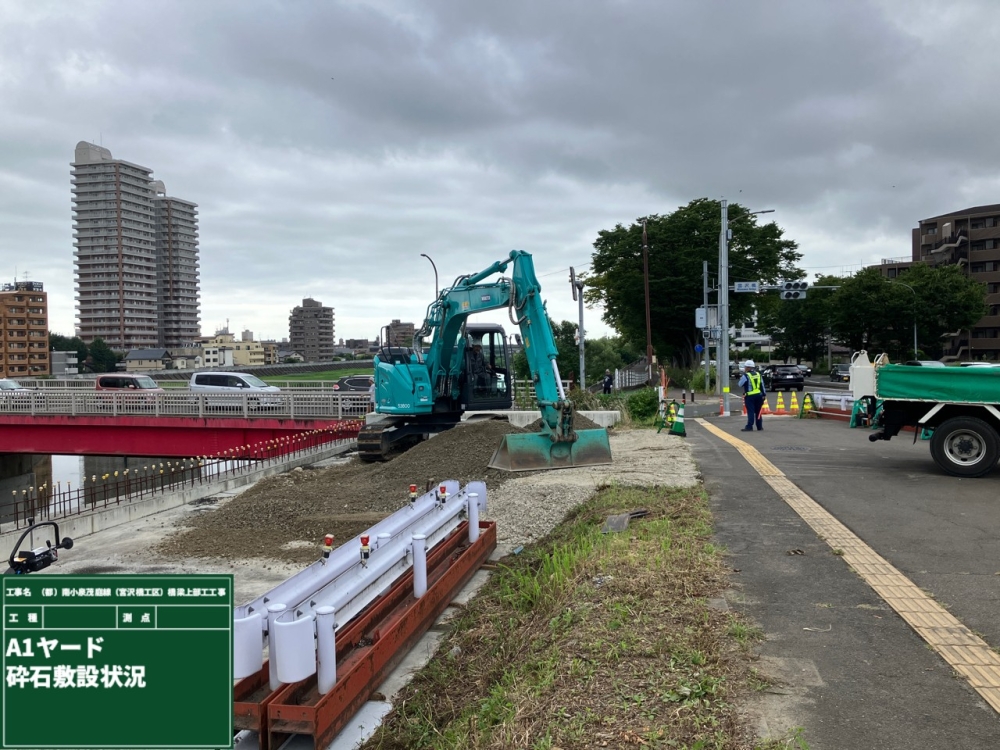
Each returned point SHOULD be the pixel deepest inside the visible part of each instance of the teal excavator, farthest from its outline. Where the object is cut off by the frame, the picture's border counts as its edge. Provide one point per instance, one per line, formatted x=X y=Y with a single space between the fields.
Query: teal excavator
x=467 y=367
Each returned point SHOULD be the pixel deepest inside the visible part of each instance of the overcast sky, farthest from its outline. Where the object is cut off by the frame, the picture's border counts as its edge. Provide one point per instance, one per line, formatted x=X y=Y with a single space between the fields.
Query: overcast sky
x=329 y=144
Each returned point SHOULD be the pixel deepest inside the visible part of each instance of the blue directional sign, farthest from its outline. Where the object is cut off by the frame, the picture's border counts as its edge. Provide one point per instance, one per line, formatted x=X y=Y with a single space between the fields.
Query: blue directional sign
x=699 y=348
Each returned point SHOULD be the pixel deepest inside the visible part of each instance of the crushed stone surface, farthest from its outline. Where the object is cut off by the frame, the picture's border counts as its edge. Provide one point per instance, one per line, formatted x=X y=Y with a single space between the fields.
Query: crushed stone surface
x=271 y=530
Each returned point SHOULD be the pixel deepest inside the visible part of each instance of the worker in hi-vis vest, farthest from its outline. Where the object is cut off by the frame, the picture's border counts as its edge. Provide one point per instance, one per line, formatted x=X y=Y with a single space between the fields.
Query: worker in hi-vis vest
x=754 y=394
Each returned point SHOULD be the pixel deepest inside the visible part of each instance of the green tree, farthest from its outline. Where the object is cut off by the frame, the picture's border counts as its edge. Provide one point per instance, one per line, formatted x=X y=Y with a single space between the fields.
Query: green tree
x=66 y=344
x=678 y=244
x=798 y=327
x=944 y=300
x=872 y=312
x=102 y=357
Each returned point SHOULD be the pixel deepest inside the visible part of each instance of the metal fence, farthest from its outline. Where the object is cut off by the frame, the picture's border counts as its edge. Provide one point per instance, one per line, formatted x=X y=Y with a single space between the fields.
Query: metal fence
x=46 y=503
x=250 y=405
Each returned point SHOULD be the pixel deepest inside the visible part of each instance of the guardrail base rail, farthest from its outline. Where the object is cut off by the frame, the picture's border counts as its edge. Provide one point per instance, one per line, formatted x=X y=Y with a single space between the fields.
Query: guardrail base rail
x=370 y=646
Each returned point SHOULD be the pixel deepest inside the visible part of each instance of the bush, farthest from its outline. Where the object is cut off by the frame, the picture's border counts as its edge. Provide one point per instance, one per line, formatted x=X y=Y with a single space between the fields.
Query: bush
x=643 y=405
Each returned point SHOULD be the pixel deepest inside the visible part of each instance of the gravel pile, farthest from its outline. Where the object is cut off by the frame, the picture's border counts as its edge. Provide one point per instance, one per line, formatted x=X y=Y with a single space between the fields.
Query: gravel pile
x=285 y=517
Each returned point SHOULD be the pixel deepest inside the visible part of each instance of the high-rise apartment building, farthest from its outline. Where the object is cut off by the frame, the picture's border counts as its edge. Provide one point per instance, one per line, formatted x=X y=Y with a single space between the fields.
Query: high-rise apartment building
x=970 y=239
x=400 y=333
x=136 y=255
x=176 y=268
x=24 y=330
x=310 y=331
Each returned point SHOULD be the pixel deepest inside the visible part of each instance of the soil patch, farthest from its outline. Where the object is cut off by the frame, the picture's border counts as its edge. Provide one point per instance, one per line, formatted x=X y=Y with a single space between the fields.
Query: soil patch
x=342 y=500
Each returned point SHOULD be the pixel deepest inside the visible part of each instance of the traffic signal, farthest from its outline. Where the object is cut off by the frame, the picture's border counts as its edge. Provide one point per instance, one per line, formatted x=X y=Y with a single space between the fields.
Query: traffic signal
x=793 y=289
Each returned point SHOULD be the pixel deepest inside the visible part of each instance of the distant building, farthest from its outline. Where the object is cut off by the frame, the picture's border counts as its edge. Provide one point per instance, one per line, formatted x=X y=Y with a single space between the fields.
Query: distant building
x=401 y=334
x=970 y=239
x=244 y=353
x=310 y=331
x=64 y=364
x=177 y=291
x=270 y=352
x=136 y=255
x=24 y=330
x=148 y=360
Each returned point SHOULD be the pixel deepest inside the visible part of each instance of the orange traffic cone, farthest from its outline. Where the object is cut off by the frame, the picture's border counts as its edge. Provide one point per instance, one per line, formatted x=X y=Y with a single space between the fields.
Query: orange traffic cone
x=765 y=409
x=722 y=409
x=793 y=407
x=780 y=408
x=744 y=407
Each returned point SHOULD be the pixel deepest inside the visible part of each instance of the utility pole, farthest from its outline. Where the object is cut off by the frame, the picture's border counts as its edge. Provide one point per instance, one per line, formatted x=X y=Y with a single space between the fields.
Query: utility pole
x=645 y=274
x=578 y=295
x=723 y=356
x=704 y=296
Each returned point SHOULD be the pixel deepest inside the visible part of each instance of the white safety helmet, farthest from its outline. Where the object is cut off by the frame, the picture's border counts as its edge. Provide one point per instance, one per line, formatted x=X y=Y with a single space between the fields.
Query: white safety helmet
x=749 y=363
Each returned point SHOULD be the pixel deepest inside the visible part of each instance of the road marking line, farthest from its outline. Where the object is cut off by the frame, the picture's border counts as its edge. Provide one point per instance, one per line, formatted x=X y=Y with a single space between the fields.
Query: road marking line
x=965 y=652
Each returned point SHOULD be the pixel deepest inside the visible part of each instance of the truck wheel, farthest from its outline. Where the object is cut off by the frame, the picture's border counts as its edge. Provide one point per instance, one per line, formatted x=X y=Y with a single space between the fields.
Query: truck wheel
x=965 y=447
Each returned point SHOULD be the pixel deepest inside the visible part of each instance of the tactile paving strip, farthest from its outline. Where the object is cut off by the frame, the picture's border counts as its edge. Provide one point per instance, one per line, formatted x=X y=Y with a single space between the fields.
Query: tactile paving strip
x=967 y=653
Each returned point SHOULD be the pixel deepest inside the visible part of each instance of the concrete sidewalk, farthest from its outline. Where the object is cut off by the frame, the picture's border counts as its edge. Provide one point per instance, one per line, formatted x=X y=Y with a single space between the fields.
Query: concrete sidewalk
x=846 y=667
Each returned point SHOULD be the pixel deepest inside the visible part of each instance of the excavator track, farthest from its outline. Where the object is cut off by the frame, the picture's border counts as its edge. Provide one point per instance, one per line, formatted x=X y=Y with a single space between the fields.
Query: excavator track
x=373 y=442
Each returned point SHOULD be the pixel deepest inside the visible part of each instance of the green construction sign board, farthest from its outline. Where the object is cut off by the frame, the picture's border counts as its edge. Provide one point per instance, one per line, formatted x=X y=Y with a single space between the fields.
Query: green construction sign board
x=117 y=661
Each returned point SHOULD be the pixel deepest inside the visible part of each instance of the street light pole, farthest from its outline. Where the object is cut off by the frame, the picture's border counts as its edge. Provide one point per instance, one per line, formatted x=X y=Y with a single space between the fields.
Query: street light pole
x=723 y=358
x=645 y=275
x=894 y=281
x=425 y=255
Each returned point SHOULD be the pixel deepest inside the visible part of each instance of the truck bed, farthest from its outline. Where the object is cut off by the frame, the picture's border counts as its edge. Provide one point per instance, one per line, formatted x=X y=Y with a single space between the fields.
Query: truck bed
x=956 y=385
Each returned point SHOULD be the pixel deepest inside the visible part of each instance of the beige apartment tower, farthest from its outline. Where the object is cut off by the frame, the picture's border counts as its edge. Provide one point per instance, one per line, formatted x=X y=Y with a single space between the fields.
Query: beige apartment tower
x=310 y=331
x=136 y=255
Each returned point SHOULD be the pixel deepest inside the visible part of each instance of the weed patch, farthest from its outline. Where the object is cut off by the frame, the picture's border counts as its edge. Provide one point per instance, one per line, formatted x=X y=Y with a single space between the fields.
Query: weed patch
x=593 y=640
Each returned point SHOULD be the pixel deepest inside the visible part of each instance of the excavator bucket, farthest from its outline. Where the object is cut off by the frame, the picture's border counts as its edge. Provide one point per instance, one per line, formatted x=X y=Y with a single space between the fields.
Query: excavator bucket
x=537 y=451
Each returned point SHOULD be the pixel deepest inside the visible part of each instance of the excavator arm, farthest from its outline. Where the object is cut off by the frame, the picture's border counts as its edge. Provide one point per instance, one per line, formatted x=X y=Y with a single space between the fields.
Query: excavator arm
x=430 y=384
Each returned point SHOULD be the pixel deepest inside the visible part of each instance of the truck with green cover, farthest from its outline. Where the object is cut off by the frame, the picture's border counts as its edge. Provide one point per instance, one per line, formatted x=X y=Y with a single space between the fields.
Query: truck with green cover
x=958 y=408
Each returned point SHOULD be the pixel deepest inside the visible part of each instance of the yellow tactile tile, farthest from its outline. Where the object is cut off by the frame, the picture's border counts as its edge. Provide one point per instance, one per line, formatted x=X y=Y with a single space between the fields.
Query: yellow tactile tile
x=964 y=651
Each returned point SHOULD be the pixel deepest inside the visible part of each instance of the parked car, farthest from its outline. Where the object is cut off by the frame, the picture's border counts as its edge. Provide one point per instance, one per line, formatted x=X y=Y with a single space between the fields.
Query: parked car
x=925 y=363
x=127 y=390
x=353 y=383
x=122 y=381
x=807 y=371
x=226 y=385
x=13 y=395
x=840 y=374
x=783 y=377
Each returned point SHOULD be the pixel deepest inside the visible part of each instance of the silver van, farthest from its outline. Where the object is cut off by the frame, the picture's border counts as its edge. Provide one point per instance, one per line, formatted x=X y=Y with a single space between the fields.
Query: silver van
x=234 y=384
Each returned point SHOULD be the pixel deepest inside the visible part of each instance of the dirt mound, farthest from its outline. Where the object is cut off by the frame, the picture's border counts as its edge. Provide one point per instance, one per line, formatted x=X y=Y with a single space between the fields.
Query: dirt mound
x=580 y=422
x=302 y=506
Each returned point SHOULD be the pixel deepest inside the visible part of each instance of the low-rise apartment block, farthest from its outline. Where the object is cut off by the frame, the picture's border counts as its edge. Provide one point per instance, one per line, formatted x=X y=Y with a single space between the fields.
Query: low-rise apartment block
x=970 y=239
x=24 y=330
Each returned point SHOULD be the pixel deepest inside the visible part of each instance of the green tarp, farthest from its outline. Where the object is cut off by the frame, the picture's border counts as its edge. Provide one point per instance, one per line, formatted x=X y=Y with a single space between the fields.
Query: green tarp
x=970 y=385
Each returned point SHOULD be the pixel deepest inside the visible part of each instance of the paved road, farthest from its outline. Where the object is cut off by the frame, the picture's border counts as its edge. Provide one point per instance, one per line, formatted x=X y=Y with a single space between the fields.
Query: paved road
x=869 y=681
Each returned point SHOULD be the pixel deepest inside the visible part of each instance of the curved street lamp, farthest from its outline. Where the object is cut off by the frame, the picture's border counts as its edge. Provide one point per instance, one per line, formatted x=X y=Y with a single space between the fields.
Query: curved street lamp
x=425 y=255
x=894 y=281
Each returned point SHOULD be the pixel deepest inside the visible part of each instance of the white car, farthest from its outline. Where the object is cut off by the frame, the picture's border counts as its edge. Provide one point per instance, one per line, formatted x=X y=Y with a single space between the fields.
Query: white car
x=227 y=386
x=14 y=395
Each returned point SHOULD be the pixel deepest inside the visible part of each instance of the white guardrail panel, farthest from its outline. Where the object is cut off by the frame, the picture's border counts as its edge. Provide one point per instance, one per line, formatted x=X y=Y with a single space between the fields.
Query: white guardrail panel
x=184 y=403
x=344 y=583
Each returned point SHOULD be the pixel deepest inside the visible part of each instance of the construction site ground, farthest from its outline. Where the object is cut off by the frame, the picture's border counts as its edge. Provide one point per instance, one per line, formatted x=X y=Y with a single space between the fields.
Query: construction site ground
x=842 y=663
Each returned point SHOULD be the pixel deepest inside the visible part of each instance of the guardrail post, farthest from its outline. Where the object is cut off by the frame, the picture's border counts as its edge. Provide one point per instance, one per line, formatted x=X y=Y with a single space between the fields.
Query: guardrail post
x=72 y=404
x=291 y=406
x=473 y=517
x=273 y=613
x=156 y=408
x=246 y=406
x=419 y=565
x=201 y=404
x=326 y=640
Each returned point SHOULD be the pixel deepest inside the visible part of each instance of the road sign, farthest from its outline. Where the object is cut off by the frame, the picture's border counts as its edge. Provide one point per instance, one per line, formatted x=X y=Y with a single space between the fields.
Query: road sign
x=747 y=286
x=699 y=348
x=117 y=661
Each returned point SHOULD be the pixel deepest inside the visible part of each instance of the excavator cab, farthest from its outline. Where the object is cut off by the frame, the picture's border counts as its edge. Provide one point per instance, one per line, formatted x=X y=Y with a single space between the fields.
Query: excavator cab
x=488 y=370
